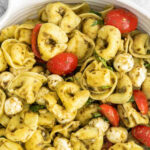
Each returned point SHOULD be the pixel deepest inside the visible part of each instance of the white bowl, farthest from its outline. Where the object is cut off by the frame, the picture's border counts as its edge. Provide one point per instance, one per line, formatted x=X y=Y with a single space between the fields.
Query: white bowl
x=19 y=10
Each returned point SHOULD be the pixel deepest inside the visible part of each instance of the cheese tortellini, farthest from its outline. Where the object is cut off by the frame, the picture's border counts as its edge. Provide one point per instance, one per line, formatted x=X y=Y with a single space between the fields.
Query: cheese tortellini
x=130 y=116
x=95 y=78
x=26 y=85
x=51 y=41
x=40 y=110
x=24 y=57
x=108 y=42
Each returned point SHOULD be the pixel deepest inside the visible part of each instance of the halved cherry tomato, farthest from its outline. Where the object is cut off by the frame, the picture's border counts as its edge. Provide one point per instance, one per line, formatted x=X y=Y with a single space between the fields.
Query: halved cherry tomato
x=63 y=63
x=122 y=19
x=142 y=134
x=34 y=36
x=110 y=113
x=141 y=101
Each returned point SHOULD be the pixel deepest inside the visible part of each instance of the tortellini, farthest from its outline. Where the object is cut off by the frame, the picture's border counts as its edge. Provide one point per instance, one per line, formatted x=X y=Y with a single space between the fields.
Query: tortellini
x=60 y=14
x=117 y=134
x=85 y=47
x=13 y=105
x=6 y=144
x=24 y=57
x=95 y=78
x=126 y=146
x=26 y=85
x=23 y=33
x=138 y=73
x=3 y=63
x=21 y=129
x=51 y=41
x=140 y=46
x=46 y=119
x=123 y=90
x=130 y=116
x=85 y=114
x=72 y=98
x=2 y=101
x=65 y=130
x=108 y=42
x=123 y=62
x=87 y=138
x=88 y=27
x=8 y=32
x=38 y=141
x=146 y=87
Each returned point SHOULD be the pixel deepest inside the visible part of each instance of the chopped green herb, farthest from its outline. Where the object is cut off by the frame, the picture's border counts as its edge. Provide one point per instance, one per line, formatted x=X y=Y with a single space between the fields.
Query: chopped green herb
x=147 y=65
x=2 y=136
x=96 y=115
x=96 y=22
x=105 y=87
x=131 y=99
x=98 y=58
x=105 y=119
x=148 y=51
x=36 y=107
x=89 y=101
x=95 y=12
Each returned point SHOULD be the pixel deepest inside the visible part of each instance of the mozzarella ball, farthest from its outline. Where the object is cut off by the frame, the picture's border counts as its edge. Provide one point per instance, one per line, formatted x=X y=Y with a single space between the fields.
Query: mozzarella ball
x=124 y=62
x=13 y=106
x=53 y=80
x=117 y=134
x=99 y=123
x=5 y=78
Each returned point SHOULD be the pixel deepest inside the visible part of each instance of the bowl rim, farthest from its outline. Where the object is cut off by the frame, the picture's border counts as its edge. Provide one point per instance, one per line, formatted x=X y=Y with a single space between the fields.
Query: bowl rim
x=131 y=4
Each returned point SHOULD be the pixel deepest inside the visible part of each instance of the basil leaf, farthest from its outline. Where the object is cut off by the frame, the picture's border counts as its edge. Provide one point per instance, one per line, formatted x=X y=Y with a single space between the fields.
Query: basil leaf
x=105 y=87
x=96 y=115
x=100 y=59
x=36 y=107
x=95 y=12
x=131 y=99
x=89 y=101
x=105 y=119
x=96 y=22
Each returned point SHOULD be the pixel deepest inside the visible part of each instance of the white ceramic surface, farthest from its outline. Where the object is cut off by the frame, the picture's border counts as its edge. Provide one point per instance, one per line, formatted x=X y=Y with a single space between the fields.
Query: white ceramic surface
x=19 y=10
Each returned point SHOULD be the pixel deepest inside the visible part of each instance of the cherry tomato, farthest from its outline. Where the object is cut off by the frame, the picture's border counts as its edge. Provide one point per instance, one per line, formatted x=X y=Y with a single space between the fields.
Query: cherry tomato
x=63 y=63
x=110 y=113
x=34 y=36
x=122 y=19
x=141 y=101
x=142 y=134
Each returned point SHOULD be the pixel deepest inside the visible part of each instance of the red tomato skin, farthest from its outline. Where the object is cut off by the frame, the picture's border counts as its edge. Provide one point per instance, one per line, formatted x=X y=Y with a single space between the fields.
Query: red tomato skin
x=142 y=134
x=110 y=113
x=62 y=64
x=34 y=36
x=141 y=101
x=122 y=19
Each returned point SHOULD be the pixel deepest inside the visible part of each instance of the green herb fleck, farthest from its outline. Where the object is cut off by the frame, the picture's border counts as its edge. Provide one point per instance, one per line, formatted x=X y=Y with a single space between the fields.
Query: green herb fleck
x=105 y=87
x=105 y=119
x=96 y=22
x=95 y=12
x=36 y=107
x=2 y=137
x=147 y=65
x=89 y=101
x=96 y=115
x=131 y=99
x=100 y=59
x=148 y=51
